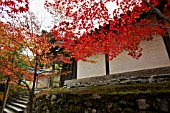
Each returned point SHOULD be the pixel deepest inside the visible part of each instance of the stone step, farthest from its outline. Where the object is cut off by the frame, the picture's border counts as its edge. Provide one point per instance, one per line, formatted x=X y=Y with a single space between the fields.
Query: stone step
x=18 y=105
x=21 y=101
x=7 y=110
x=26 y=96
x=14 y=108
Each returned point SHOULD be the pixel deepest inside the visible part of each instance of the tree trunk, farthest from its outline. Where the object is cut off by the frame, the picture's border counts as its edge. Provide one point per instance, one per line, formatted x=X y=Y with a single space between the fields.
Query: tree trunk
x=33 y=88
x=5 y=94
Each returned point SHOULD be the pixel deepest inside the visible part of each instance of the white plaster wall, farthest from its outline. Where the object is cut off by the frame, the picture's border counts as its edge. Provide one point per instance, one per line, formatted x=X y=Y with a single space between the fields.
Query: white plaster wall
x=154 y=56
x=87 y=69
x=43 y=83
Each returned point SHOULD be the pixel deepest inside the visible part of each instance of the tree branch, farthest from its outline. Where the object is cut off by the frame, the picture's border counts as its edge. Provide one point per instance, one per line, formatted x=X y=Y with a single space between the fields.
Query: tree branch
x=152 y=25
x=157 y=11
x=27 y=86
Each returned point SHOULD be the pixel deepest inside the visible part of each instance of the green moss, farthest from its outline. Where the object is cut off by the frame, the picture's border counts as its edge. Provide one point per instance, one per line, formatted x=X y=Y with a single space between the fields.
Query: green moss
x=154 y=88
x=58 y=90
x=115 y=98
x=128 y=110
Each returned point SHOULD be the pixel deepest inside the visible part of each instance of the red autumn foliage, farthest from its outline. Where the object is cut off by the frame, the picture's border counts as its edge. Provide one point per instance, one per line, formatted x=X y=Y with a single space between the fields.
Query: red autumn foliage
x=121 y=31
x=16 y=6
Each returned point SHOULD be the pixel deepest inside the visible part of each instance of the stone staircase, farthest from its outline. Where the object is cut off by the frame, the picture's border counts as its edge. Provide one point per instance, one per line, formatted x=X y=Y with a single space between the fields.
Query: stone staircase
x=17 y=105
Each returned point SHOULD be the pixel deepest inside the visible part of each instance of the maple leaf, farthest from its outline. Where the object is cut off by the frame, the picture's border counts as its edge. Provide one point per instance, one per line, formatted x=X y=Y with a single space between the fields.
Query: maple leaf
x=22 y=9
x=14 y=10
x=6 y=3
x=20 y=1
x=12 y=3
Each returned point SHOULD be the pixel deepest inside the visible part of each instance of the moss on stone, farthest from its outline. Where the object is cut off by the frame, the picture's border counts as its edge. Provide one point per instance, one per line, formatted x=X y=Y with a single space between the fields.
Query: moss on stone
x=128 y=110
x=137 y=89
x=102 y=99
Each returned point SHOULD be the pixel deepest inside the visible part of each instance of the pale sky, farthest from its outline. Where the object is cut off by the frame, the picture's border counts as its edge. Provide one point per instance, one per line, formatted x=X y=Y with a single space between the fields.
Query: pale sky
x=37 y=6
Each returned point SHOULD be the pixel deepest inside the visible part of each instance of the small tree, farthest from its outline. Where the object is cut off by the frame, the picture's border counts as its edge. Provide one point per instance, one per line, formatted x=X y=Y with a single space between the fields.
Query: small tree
x=7 y=57
x=20 y=37
x=15 y=64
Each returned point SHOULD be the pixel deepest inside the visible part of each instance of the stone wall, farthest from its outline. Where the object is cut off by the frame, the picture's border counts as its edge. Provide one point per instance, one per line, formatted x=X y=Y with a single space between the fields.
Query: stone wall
x=125 y=81
x=141 y=76
x=103 y=103
x=144 y=91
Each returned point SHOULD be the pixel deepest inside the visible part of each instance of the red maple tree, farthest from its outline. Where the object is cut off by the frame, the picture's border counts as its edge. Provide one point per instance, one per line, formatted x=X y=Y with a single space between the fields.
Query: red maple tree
x=117 y=32
x=20 y=35
x=123 y=30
